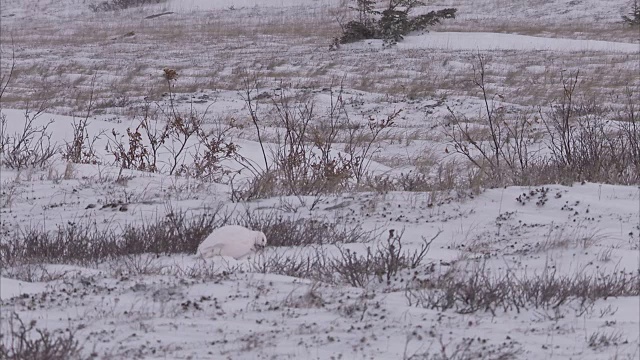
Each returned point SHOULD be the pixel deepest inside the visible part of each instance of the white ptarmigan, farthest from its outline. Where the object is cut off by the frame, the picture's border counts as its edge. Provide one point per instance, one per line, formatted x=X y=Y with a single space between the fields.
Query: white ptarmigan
x=232 y=240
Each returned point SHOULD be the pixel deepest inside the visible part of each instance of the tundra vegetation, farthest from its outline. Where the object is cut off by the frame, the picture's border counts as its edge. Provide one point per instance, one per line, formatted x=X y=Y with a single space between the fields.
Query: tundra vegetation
x=456 y=201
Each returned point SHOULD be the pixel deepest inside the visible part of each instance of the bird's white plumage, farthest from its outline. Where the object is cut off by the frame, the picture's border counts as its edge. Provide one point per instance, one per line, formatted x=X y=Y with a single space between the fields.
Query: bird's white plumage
x=232 y=240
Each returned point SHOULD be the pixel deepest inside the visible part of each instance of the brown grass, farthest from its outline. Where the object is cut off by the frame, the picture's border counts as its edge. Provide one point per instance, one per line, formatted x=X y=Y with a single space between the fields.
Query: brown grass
x=200 y=46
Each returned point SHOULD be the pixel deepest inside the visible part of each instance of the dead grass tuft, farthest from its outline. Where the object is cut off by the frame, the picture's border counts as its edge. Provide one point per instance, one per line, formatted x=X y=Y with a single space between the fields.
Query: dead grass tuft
x=87 y=243
x=298 y=231
x=477 y=288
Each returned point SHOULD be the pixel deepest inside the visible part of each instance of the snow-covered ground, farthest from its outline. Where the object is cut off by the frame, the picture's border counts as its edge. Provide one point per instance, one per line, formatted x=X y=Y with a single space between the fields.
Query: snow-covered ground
x=179 y=306
x=491 y=41
x=162 y=311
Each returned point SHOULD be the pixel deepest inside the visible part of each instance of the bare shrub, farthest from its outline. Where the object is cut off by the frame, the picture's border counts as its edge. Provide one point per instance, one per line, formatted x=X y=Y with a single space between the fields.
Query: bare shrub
x=600 y=339
x=251 y=87
x=26 y=341
x=584 y=143
x=203 y=270
x=130 y=153
x=135 y=265
x=33 y=272
x=414 y=181
x=306 y=162
x=356 y=307
x=5 y=79
x=4 y=136
x=81 y=149
x=560 y=238
x=303 y=159
x=500 y=148
x=558 y=122
x=628 y=122
x=211 y=149
x=29 y=148
x=6 y=76
x=81 y=243
x=384 y=262
x=181 y=128
x=262 y=184
x=139 y=148
x=302 y=265
x=192 y=150
x=363 y=142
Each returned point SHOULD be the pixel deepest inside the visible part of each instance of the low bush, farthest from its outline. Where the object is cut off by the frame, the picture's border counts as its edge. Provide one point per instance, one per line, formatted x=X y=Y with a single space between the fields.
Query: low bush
x=382 y=263
x=114 y=5
x=298 y=231
x=477 y=288
x=88 y=243
x=300 y=265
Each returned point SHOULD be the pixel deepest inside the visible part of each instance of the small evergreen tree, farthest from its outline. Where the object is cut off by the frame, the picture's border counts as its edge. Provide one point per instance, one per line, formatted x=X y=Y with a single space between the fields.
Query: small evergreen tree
x=634 y=16
x=365 y=9
x=390 y=25
x=394 y=24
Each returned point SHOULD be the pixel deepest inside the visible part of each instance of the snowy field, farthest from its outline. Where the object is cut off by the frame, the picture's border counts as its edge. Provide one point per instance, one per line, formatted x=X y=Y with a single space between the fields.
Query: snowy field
x=385 y=240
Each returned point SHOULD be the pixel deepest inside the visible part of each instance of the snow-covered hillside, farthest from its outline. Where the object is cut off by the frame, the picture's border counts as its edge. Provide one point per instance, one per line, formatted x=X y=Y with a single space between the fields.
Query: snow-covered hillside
x=200 y=114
